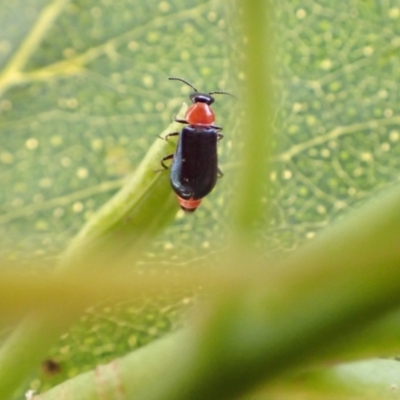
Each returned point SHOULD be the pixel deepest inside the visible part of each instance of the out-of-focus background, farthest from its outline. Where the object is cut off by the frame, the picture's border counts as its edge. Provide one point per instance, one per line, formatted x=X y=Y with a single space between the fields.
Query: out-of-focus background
x=84 y=93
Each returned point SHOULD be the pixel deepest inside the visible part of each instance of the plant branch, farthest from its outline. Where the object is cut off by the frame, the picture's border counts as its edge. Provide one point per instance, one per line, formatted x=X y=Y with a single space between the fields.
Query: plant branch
x=118 y=232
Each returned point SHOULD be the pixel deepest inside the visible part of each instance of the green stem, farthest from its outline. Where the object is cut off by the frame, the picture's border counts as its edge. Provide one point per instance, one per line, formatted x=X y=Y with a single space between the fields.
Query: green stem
x=118 y=232
x=257 y=127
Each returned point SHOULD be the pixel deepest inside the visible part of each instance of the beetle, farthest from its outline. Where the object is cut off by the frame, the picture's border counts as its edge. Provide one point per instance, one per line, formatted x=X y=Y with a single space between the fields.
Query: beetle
x=194 y=169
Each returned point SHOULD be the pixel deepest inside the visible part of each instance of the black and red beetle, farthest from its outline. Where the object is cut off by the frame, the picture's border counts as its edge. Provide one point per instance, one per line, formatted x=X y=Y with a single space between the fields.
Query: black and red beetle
x=194 y=169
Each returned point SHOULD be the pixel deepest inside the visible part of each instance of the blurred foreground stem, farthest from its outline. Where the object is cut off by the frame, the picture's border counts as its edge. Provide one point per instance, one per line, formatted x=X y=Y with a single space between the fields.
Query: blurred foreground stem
x=265 y=322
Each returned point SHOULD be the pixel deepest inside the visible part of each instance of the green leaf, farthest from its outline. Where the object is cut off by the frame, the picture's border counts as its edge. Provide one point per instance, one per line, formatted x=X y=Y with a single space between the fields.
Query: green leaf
x=84 y=93
x=339 y=116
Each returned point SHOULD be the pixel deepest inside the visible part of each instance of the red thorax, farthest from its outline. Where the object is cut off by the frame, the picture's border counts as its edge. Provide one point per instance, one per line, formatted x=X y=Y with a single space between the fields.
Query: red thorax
x=200 y=114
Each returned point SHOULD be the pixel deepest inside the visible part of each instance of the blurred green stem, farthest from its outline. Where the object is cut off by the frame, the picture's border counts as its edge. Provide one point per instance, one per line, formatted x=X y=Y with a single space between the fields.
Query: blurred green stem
x=265 y=322
x=257 y=132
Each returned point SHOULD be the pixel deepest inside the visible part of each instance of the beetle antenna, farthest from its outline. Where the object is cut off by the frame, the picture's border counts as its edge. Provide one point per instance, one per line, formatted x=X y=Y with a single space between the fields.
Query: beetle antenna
x=171 y=78
x=223 y=92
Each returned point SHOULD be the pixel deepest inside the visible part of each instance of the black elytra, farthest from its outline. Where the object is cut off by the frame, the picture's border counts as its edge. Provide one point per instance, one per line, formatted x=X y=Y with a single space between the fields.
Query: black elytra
x=194 y=169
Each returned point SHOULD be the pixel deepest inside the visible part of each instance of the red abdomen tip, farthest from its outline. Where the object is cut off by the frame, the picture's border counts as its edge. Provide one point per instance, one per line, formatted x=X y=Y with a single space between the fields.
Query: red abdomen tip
x=189 y=205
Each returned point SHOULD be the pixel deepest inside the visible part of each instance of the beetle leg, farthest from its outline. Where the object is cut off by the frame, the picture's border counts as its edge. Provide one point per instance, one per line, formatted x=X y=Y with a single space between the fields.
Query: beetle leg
x=216 y=127
x=219 y=173
x=168 y=135
x=168 y=157
x=181 y=121
x=219 y=136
